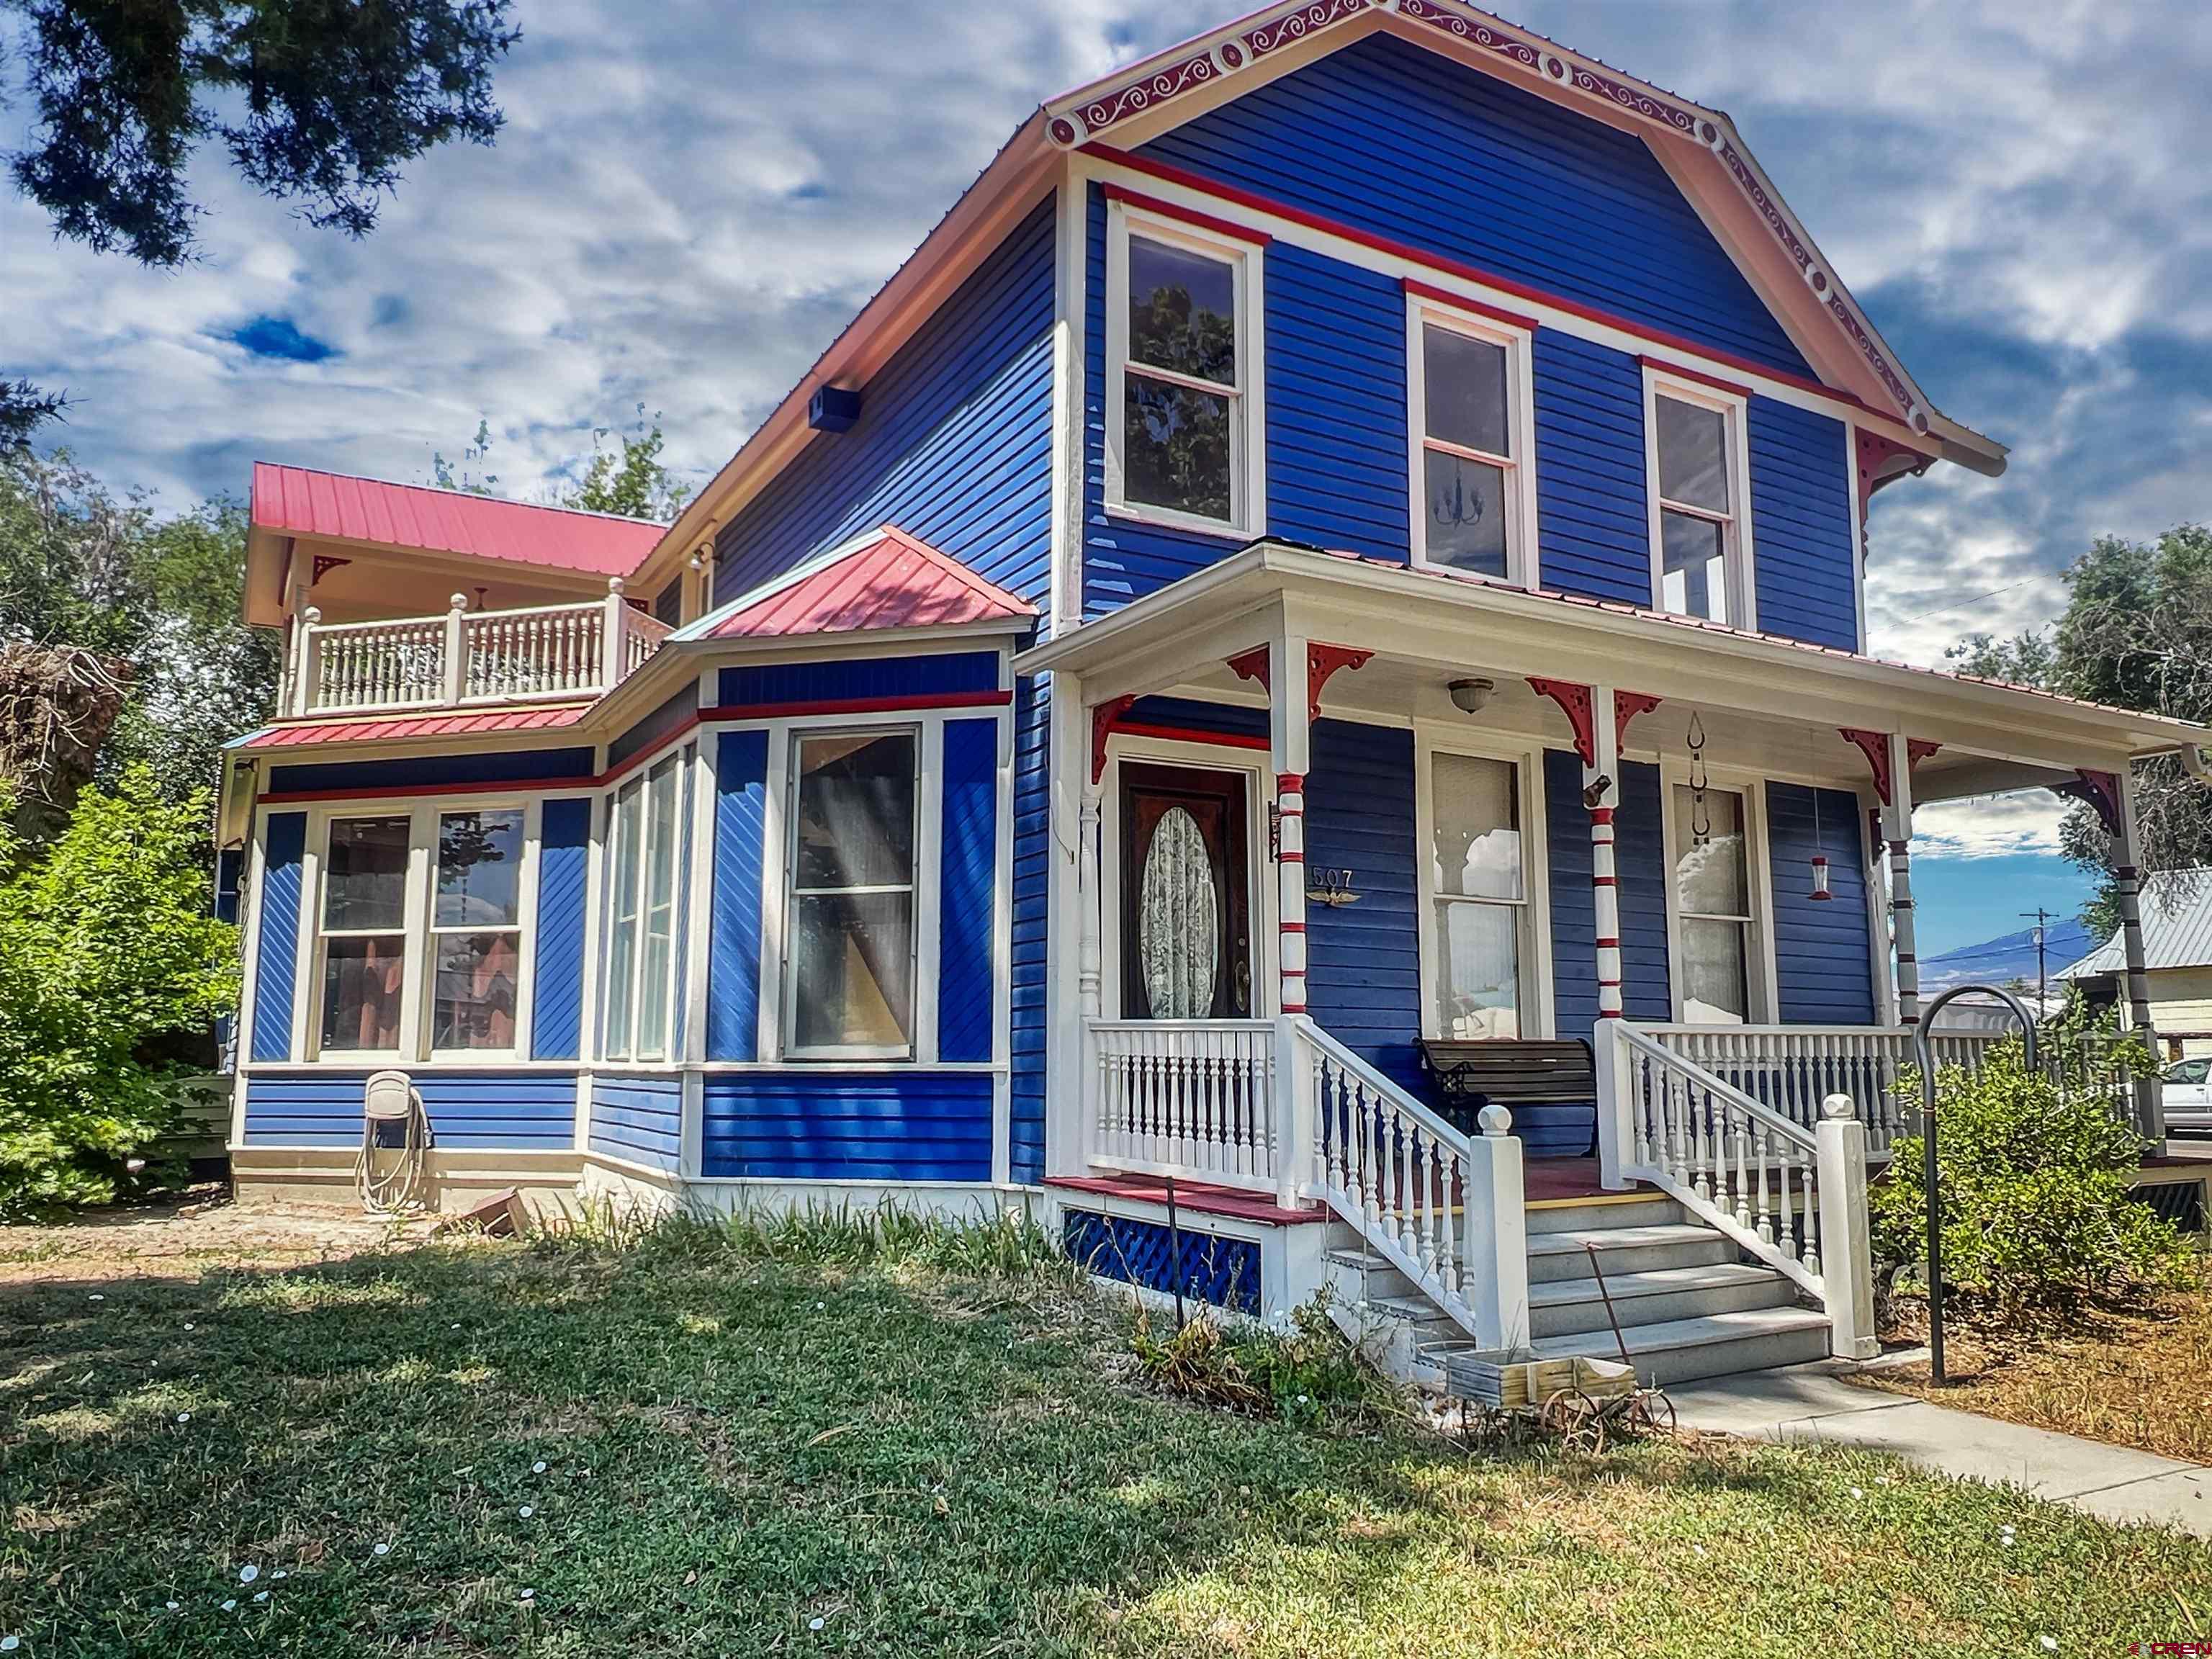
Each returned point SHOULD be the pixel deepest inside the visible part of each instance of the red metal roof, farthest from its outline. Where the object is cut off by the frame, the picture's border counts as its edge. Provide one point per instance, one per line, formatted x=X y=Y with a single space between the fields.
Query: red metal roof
x=891 y=581
x=386 y=728
x=296 y=502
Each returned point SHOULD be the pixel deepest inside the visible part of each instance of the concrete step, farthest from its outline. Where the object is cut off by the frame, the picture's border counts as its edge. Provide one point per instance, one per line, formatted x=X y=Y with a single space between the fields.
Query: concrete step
x=1717 y=1345
x=1563 y=1307
x=1624 y=1250
x=1605 y=1214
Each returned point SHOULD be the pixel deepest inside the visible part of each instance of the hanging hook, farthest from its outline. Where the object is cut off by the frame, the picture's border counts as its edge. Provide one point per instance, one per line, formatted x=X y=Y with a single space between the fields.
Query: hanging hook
x=1701 y=820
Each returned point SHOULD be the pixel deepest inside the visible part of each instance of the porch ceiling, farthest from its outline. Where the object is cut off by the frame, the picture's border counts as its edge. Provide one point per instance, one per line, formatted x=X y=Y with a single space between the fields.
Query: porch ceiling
x=1768 y=704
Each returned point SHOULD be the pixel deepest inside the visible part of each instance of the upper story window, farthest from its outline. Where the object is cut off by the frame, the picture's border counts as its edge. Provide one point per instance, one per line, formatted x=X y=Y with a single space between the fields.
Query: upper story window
x=849 y=973
x=1472 y=405
x=1183 y=436
x=1699 y=487
x=377 y=932
x=647 y=842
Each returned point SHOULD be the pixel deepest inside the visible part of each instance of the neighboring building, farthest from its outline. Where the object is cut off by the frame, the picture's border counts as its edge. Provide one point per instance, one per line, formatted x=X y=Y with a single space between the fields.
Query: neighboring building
x=2177 y=929
x=1349 y=535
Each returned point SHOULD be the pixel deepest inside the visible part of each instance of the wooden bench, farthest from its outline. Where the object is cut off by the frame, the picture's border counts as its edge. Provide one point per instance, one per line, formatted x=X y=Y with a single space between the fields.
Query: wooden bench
x=1466 y=1077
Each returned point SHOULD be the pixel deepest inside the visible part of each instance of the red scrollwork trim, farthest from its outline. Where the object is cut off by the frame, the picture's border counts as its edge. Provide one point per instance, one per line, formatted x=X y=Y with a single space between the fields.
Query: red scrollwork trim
x=324 y=563
x=1252 y=665
x=1626 y=706
x=1581 y=712
x=1140 y=95
x=1322 y=661
x=1103 y=719
x=1295 y=25
x=1874 y=745
x=2101 y=790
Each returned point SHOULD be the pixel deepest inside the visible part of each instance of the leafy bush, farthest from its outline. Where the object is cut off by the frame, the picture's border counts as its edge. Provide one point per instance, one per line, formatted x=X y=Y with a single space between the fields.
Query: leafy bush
x=2034 y=1182
x=108 y=958
x=1309 y=1374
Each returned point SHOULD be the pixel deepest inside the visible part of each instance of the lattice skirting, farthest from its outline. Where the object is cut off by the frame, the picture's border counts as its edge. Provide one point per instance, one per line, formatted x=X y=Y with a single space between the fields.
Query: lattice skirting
x=2179 y=1201
x=1224 y=1271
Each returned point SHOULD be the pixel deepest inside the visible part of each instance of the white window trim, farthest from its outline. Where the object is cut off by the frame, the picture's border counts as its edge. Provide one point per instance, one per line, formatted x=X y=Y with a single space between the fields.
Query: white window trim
x=927 y=777
x=683 y=755
x=1734 y=408
x=1538 y=1016
x=417 y=988
x=1248 y=453
x=1523 y=555
x=1760 y=971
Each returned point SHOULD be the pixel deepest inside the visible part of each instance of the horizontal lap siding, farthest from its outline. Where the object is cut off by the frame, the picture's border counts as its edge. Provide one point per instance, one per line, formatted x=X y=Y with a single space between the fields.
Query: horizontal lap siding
x=829 y=1126
x=1033 y=854
x=1823 y=959
x=657 y=727
x=1403 y=143
x=1593 y=521
x=284 y=843
x=638 y=1119
x=1337 y=463
x=1230 y=719
x=433 y=771
x=557 y=1005
x=969 y=863
x=852 y=679
x=953 y=445
x=1801 y=516
x=516 y=1111
x=1363 y=972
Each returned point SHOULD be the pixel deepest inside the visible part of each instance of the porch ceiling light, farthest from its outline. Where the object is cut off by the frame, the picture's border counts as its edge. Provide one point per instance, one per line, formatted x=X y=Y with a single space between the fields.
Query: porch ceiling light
x=1472 y=696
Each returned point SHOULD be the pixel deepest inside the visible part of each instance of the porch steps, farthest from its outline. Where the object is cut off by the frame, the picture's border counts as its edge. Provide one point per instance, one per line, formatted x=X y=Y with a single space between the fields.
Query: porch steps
x=1688 y=1306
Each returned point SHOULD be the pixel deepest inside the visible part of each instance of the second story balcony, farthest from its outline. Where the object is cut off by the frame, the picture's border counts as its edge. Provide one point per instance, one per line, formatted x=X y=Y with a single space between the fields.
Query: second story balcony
x=466 y=658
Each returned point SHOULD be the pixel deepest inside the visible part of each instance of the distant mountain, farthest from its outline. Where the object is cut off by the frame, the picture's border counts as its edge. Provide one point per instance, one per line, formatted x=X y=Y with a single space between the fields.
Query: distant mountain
x=2000 y=961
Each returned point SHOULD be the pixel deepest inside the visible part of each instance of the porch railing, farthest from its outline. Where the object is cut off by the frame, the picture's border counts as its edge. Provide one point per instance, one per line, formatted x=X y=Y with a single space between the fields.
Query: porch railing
x=1194 y=1098
x=467 y=658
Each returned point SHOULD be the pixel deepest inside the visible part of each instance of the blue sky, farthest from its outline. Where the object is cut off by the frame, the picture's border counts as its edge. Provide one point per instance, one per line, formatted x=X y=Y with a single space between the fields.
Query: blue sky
x=689 y=199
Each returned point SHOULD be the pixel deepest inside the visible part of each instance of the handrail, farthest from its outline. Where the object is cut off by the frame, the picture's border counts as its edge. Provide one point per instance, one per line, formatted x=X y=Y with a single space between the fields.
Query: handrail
x=1189 y=1097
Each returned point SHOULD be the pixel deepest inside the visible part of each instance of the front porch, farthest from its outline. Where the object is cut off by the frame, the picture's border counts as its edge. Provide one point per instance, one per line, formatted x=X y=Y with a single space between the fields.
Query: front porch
x=1475 y=812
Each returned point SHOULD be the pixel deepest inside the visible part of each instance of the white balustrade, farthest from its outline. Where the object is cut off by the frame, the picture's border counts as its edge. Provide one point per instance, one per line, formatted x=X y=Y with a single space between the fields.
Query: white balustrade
x=1190 y=1098
x=545 y=652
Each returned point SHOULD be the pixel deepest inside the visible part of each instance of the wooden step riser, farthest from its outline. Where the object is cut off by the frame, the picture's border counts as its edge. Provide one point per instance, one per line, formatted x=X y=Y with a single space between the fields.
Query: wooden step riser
x=1759 y=1353
x=1599 y=1215
x=1548 y=1266
x=1588 y=1315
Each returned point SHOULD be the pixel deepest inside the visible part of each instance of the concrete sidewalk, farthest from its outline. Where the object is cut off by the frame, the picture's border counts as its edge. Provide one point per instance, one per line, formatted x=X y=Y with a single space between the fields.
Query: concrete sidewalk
x=1813 y=1402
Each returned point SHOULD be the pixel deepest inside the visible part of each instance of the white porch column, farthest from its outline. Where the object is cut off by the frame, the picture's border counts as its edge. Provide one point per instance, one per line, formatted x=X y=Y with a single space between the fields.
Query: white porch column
x=1290 y=727
x=1846 y=1229
x=2127 y=880
x=1071 y=897
x=1897 y=831
x=1601 y=785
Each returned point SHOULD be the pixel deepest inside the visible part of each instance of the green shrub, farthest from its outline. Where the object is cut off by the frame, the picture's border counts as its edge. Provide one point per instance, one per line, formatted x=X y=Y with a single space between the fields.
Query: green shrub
x=108 y=956
x=2035 y=1182
x=1309 y=1374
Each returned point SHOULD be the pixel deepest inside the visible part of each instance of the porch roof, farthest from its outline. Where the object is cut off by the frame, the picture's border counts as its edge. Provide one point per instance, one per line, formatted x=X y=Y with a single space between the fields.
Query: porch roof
x=395 y=727
x=1466 y=624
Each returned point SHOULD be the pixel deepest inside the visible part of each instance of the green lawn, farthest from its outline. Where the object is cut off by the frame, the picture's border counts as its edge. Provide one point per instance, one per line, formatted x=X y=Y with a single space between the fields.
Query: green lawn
x=749 y=1455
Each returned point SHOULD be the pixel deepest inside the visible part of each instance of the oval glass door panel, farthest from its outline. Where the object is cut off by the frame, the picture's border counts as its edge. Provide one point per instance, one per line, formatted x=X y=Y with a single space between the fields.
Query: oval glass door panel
x=1178 y=930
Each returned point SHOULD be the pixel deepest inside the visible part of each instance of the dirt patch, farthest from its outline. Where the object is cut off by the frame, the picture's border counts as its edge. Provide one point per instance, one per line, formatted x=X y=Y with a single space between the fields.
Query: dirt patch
x=187 y=1235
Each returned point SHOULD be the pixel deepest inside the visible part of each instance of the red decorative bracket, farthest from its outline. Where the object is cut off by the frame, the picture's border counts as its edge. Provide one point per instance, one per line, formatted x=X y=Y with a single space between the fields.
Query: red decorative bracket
x=1626 y=706
x=1321 y=661
x=1252 y=665
x=324 y=563
x=1575 y=700
x=1875 y=451
x=2101 y=790
x=1874 y=745
x=1103 y=719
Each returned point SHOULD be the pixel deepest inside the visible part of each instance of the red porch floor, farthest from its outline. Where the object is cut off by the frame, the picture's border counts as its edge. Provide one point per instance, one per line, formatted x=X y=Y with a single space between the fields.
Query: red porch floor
x=1544 y=1180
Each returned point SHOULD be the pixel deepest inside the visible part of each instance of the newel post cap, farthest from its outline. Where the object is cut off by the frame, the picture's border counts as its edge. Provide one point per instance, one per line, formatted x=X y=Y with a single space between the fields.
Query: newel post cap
x=1494 y=1120
x=614 y=584
x=1839 y=1106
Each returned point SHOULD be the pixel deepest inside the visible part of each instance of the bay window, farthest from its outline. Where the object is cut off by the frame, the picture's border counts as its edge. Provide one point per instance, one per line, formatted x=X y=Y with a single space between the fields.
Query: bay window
x=1700 y=540
x=1719 y=959
x=850 y=955
x=1180 y=440
x=475 y=929
x=363 y=933
x=647 y=838
x=1478 y=897
x=1471 y=402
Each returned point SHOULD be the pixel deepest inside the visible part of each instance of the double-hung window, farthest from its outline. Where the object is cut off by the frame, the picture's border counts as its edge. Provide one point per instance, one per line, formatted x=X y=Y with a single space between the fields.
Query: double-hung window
x=1470 y=399
x=1720 y=972
x=648 y=842
x=1478 y=889
x=1700 y=527
x=475 y=929
x=1180 y=438
x=849 y=977
x=364 y=934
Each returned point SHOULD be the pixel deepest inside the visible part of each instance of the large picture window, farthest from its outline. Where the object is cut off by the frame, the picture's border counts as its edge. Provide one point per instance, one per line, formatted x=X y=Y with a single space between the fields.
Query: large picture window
x=1479 y=885
x=364 y=933
x=647 y=848
x=1180 y=391
x=1700 y=545
x=1471 y=490
x=850 y=910
x=475 y=929
x=1716 y=925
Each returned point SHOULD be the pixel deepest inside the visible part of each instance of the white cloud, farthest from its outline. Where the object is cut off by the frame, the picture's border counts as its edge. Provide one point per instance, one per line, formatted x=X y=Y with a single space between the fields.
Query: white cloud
x=1988 y=826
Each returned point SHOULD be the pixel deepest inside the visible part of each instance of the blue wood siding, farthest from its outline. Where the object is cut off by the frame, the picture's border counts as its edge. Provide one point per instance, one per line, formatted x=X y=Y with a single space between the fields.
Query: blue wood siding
x=1336 y=405
x=1190 y=715
x=1364 y=960
x=1800 y=519
x=1823 y=961
x=1593 y=518
x=851 y=678
x=734 y=948
x=476 y=1111
x=1033 y=854
x=285 y=843
x=513 y=766
x=968 y=909
x=556 y=993
x=833 y=1126
x=657 y=727
x=1640 y=857
x=953 y=445
x=638 y=1119
x=1401 y=142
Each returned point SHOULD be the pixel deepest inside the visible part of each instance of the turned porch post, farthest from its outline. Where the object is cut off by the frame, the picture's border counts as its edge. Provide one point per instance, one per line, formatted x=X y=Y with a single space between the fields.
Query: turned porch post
x=1897 y=831
x=2127 y=881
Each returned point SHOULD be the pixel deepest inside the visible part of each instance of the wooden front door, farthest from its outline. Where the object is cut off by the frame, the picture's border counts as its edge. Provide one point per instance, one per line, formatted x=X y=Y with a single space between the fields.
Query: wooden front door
x=1186 y=894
